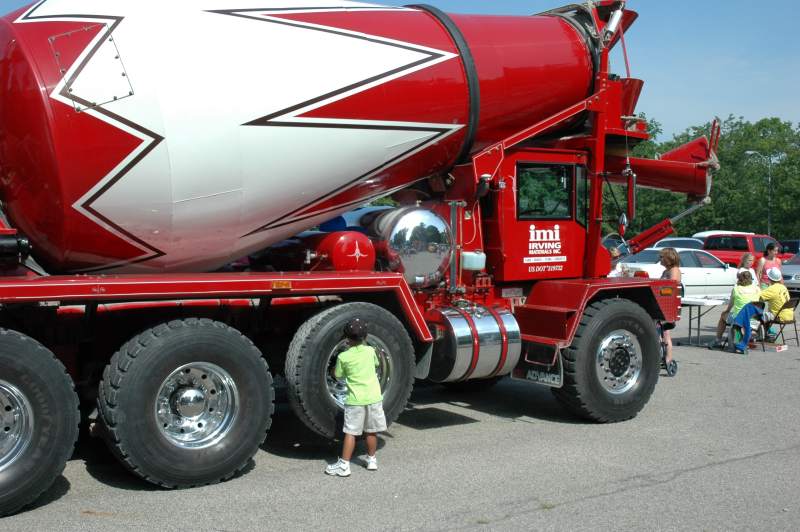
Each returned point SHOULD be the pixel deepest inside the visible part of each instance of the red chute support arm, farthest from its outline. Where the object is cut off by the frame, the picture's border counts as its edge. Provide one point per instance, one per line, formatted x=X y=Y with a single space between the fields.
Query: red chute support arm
x=663 y=229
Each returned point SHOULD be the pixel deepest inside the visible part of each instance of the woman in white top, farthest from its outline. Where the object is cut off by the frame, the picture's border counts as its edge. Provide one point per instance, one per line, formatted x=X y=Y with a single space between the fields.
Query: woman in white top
x=746 y=265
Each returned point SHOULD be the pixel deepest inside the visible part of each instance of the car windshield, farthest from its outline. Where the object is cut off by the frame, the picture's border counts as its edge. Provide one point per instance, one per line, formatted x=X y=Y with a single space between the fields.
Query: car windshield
x=735 y=243
x=688 y=243
x=794 y=261
x=793 y=246
x=648 y=256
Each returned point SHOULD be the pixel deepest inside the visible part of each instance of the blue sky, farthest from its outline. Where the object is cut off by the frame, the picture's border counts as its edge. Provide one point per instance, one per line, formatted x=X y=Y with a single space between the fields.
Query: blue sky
x=698 y=58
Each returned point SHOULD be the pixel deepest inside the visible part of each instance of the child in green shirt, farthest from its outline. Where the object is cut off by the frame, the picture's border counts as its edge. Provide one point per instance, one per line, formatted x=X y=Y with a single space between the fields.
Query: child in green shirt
x=363 y=411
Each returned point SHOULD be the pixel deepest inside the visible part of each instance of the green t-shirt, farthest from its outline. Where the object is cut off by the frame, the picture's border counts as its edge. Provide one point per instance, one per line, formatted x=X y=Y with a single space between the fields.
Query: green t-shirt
x=357 y=366
x=742 y=295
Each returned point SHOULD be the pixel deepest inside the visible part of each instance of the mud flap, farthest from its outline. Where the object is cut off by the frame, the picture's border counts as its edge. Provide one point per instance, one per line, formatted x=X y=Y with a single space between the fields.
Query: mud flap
x=423 y=367
x=550 y=375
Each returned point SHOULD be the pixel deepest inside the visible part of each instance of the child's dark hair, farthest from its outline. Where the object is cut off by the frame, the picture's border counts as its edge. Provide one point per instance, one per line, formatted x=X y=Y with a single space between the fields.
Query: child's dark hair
x=744 y=278
x=355 y=331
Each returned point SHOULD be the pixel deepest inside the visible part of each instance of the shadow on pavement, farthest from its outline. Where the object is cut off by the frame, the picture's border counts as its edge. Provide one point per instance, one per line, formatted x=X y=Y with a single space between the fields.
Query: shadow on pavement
x=685 y=341
x=509 y=399
x=104 y=467
x=59 y=488
x=290 y=438
x=430 y=417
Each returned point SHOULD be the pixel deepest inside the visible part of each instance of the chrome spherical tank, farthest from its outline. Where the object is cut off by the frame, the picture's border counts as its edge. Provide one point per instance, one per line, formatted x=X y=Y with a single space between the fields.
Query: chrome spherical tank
x=416 y=242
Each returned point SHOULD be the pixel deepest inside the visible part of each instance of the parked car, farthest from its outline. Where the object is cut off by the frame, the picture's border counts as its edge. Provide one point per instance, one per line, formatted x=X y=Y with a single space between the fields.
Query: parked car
x=703 y=275
x=791 y=246
x=678 y=242
x=730 y=247
x=705 y=234
x=791 y=275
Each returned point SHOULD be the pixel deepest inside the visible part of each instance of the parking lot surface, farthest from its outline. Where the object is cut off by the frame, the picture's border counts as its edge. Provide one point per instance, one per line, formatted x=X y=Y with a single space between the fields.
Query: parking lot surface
x=717 y=448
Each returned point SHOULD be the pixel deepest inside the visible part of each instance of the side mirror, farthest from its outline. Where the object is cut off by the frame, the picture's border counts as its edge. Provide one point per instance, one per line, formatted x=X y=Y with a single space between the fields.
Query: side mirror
x=726 y=266
x=623 y=224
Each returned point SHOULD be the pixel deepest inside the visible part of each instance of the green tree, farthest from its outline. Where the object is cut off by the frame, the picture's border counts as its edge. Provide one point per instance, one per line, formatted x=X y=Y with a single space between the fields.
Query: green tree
x=739 y=191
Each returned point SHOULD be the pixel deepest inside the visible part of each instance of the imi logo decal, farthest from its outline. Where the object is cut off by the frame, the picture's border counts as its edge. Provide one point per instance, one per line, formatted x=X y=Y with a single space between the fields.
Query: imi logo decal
x=544 y=246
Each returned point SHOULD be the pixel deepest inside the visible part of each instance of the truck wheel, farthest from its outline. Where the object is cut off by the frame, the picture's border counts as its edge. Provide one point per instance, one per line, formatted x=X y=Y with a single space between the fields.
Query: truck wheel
x=612 y=366
x=315 y=396
x=38 y=420
x=186 y=403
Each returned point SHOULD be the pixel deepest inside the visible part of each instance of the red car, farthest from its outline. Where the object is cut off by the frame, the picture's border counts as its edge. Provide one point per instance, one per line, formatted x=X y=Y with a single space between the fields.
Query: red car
x=730 y=247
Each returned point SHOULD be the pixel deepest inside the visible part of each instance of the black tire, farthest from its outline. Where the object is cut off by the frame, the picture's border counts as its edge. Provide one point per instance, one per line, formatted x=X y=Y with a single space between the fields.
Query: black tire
x=308 y=358
x=583 y=393
x=473 y=386
x=128 y=398
x=41 y=379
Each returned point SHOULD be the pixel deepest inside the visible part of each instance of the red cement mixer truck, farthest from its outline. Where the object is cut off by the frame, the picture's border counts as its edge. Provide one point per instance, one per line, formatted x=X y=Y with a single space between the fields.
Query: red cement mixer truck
x=188 y=211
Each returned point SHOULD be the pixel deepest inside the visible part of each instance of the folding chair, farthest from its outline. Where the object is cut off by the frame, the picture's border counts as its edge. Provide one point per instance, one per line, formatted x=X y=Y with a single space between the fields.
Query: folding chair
x=791 y=304
x=734 y=332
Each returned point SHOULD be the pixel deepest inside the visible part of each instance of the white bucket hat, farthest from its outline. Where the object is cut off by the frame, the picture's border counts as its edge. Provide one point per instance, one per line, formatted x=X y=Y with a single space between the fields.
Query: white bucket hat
x=774 y=275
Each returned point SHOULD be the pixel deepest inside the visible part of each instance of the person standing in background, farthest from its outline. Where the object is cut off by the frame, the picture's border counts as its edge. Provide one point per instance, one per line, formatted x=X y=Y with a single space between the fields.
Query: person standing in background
x=672 y=264
x=768 y=261
x=746 y=265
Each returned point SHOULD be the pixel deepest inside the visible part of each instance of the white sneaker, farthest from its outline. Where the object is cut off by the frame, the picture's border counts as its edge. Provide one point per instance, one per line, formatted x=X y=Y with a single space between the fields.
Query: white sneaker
x=339 y=469
x=372 y=463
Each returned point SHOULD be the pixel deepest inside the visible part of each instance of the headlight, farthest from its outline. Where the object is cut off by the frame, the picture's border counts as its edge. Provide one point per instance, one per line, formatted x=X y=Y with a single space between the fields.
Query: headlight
x=797 y=277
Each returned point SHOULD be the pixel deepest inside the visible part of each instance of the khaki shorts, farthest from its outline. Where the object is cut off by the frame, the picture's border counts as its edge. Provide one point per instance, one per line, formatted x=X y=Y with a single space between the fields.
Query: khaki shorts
x=360 y=419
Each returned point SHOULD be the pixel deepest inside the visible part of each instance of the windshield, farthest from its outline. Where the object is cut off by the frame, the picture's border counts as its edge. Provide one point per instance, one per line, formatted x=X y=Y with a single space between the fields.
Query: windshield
x=648 y=256
x=722 y=243
x=794 y=261
x=793 y=246
x=690 y=243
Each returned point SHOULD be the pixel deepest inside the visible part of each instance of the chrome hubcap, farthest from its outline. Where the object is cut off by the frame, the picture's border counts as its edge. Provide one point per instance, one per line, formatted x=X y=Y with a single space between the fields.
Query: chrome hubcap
x=189 y=402
x=197 y=405
x=338 y=389
x=619 y=361
x=16 y=424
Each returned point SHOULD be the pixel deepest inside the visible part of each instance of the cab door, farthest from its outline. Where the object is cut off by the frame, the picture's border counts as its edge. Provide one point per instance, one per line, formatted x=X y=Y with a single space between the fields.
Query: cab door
x=538 y=228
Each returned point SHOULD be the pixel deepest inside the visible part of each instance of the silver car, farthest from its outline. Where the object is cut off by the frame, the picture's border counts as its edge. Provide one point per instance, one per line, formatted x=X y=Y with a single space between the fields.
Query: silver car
x=791 y=275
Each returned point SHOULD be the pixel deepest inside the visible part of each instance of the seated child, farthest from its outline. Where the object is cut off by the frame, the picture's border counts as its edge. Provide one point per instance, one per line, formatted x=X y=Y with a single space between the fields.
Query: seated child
x=743 y=293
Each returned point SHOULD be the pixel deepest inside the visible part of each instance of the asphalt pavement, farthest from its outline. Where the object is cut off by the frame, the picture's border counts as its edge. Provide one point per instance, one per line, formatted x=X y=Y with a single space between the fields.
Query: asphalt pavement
x=717 y=448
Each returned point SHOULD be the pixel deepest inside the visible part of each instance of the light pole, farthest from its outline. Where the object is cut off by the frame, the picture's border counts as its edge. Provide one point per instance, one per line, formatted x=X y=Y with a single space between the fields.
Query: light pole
x=769 y=186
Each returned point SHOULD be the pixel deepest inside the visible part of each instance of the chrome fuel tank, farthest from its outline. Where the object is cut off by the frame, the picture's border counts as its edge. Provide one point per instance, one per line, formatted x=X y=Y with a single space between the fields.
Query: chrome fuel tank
x=475 y=343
